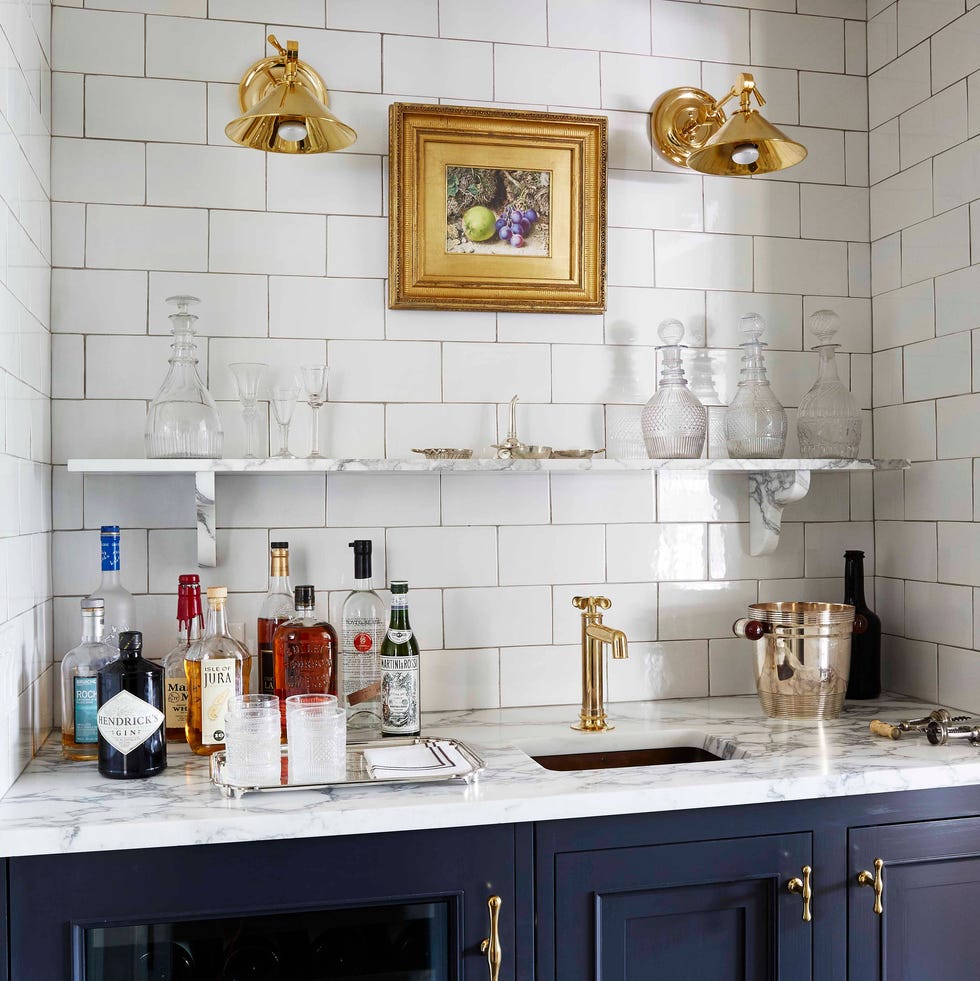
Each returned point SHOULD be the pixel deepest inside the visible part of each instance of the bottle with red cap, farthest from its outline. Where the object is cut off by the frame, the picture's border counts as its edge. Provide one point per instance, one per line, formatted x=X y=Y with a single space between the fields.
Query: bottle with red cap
x=190 y=627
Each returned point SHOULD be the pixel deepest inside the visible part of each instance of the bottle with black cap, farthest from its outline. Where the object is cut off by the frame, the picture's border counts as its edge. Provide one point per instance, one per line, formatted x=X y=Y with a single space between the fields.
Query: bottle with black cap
x=132 y=740
x=864 y=680
x=305 y=653
x=362 y=632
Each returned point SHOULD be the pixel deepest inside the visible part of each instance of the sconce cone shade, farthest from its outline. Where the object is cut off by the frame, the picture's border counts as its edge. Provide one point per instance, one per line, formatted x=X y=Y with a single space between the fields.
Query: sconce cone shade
x=776 y=150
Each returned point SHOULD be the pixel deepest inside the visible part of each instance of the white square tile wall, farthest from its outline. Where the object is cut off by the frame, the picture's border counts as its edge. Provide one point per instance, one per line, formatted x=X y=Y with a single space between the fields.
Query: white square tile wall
x=27 y=671
x=290 y=258
x=924 y=59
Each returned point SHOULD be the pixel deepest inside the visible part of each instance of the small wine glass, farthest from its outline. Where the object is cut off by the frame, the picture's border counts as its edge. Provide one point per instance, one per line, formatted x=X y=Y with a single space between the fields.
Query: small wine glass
x=314 y=380
x=248 y=376
x=283 y=404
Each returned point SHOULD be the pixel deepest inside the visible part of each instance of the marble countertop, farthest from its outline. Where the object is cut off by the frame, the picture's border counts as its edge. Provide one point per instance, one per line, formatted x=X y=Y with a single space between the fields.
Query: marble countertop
x=58 y=807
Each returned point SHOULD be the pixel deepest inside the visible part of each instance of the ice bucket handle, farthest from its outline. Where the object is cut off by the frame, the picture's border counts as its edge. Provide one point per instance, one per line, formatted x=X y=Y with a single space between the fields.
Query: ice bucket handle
x=751 y=629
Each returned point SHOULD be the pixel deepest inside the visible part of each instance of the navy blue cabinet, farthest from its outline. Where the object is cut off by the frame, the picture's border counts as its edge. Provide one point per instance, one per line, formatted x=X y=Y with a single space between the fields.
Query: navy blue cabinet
x=928 y=886
x=400 y=906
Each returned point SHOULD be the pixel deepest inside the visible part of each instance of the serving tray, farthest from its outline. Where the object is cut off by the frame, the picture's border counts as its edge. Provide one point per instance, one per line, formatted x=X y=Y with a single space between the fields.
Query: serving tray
x=357 y=774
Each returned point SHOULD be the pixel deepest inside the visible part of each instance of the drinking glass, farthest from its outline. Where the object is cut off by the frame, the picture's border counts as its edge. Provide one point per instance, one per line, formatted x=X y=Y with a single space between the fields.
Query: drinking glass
x=314 y=381
x=316 y=731
x=283 y=405
x=248 y=375
x=252 y=743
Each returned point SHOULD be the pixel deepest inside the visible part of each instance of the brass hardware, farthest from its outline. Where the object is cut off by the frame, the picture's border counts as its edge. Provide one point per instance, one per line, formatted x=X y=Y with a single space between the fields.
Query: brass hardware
x=595 y=634
x=803 y=887
x=865 y=878
x=284 y=103
x=491 y=945
x=690 y=129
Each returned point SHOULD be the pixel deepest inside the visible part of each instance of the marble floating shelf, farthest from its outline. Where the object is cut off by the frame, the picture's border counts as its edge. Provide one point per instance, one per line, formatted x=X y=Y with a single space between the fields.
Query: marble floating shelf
x=772 y=483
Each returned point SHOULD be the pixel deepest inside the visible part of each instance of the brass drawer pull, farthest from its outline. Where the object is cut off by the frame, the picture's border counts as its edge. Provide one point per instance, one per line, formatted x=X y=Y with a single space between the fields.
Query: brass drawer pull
x=865 y=878
x=804 y=888
x=491 y=945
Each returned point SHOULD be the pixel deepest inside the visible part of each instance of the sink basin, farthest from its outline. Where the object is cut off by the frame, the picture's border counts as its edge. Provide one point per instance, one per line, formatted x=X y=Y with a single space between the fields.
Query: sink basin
x=614 y=750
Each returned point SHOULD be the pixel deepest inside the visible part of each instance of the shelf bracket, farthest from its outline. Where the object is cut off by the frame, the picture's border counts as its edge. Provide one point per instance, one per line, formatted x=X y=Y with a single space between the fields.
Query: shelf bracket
x=769 y=492
x=207 y=554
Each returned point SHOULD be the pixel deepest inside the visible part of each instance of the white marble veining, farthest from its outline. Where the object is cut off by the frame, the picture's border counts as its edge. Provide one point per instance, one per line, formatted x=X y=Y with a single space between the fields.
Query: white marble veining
x=67 y=807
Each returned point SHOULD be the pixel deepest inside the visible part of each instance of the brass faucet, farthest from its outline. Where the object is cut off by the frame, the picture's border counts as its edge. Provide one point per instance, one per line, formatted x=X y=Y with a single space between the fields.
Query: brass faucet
x=592 y=718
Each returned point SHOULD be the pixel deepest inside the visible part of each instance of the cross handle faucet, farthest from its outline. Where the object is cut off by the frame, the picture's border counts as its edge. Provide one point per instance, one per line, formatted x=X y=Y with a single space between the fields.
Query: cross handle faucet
x=595 y=635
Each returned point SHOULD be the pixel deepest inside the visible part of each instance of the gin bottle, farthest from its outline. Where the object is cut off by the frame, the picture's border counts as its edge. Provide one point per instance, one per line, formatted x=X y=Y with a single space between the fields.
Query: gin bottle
x=400 y=714
x=216 y=669
x=120 y=613
x=276 y=609
x=190 y=626
x=79 y=686
x=362 y=630
x=132 y=742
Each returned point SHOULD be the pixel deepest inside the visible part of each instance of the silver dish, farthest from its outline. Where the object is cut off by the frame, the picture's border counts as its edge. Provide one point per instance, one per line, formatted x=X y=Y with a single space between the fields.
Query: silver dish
x=445 y=453
x=357 y=774
x=525 y=452
x=574 y=454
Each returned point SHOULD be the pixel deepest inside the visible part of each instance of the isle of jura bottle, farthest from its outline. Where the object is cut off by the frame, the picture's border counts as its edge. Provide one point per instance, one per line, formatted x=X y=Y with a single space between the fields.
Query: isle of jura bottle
x=120 y=612
x=215 y=669
x=306 y=653
x=79 y=686
x=276 y=609
x=362 y=633
x=400 y=713
x=190 y=628
x=132 y=742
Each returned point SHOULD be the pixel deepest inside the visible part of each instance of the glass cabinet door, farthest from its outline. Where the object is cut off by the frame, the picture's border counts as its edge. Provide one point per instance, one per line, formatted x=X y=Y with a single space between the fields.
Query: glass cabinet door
x=403 y=942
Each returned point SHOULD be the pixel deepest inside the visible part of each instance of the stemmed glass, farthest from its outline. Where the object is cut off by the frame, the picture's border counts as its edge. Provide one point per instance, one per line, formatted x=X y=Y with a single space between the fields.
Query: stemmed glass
x=314 y=380
x=248 y=375
x=283 y=404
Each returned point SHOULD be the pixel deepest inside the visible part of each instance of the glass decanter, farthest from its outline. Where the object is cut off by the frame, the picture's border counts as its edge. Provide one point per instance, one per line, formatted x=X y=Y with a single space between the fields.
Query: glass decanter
x=829 y=421
x=755 y=423
x=183 y=421
x=674 y=420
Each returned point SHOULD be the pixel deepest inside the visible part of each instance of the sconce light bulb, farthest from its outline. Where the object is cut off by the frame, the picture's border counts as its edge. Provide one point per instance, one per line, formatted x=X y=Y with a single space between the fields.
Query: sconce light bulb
x=745 y=153
x=294 y=131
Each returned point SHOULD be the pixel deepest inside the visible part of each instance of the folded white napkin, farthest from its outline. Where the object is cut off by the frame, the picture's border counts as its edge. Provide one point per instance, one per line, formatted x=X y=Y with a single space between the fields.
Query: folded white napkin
x=436 y=757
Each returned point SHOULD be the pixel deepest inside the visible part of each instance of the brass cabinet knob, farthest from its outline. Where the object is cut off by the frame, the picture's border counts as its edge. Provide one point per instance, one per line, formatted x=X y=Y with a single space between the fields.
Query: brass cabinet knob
x=491 y=945
x=804 y=888
x=866 y=878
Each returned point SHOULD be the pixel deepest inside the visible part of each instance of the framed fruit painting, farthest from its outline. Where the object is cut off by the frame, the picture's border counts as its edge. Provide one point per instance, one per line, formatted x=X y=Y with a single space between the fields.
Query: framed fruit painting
x=496 y=209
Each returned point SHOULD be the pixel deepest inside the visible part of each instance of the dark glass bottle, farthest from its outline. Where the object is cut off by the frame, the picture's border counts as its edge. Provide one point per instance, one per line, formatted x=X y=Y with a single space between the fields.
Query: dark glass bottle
x=132 y=740
x=400 y=715
x=864 y=680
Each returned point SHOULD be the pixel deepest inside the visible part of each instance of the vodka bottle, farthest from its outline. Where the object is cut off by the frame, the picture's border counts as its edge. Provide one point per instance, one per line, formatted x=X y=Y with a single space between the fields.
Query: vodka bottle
x=120 y=612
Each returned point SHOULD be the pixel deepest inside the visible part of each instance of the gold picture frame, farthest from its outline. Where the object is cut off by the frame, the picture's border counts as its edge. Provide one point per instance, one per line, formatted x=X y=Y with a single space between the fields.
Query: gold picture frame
x=458 y=172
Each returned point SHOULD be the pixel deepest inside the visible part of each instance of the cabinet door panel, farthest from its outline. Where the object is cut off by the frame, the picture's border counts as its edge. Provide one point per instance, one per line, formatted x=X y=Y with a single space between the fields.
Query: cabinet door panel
x=931 y=892
x=716 y=910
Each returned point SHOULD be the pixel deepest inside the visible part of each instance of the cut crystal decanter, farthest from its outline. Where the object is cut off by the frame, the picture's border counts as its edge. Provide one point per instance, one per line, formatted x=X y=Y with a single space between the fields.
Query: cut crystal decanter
x=755 y=423
x=182 y=421
x=674 y=420
x=829 y=421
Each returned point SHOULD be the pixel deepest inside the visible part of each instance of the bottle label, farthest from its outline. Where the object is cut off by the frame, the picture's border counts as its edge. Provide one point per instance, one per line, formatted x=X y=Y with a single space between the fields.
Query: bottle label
x=399 y=694
x=307 y=668
x=126 y=721
x=176 y=706
x=267 y=669
x=399 y=636
x=217 y=686
x=110 y=553
x=86 y=700
x=361 y=670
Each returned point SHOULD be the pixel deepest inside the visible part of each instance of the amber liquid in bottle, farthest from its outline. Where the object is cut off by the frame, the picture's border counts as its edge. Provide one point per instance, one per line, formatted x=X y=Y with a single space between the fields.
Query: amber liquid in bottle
x=277 y=608
x=305 y=653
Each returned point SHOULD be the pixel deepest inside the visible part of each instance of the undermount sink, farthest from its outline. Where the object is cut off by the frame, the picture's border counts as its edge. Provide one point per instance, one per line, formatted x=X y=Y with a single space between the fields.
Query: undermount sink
x=614 y=750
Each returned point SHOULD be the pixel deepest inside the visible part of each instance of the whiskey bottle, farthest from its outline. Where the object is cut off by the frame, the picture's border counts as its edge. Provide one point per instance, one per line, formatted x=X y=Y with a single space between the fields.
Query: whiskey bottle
x=362 y=631
x=120 y=613
x=132 y=742
x=79 y=686
x=400 y=715
x=276 y=609
x=190 y=627
x=305 y=652
x=215 y=668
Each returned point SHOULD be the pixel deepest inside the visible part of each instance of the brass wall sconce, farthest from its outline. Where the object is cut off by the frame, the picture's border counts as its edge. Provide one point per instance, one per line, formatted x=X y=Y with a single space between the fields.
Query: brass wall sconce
x=690 y=129
x=284 y=103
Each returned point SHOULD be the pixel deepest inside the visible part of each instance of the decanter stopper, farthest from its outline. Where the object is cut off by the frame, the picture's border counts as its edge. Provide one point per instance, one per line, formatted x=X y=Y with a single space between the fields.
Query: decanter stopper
x=755 y=423
x=674 y=421
x=824 y=325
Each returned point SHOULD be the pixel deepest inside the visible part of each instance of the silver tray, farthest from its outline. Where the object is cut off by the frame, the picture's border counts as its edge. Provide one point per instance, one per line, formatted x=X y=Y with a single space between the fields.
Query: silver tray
x=357 y=770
